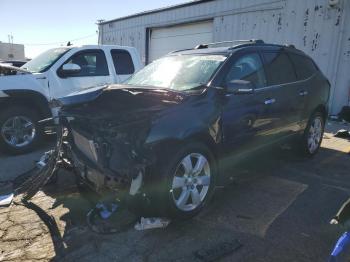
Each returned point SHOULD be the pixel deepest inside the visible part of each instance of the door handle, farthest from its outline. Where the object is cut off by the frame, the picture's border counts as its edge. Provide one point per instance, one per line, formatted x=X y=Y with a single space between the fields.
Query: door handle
x=269 y=101
x=303 y=93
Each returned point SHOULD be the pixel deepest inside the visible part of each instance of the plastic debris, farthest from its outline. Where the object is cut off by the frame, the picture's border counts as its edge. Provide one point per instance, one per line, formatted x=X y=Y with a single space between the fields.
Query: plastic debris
x=334 y=117
x=109 y=218
x=136 y=184
x=151 y=223
x=6 y=200
x=342 y=133
x=106 y=210
x=342 y=242
x=341 y=218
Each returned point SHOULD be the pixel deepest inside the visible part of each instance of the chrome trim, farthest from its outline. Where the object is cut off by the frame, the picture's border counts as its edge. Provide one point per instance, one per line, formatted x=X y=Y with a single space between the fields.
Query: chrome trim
x=270 y=101
x=289 y=83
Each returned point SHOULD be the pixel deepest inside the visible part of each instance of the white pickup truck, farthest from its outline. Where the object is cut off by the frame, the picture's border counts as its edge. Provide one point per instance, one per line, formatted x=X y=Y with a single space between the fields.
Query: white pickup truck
x=25 y=92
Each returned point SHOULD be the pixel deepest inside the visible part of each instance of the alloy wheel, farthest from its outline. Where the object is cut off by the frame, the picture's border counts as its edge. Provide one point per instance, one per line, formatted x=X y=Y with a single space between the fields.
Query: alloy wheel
x=191 y=182
x=315 y=134
x=18 y=131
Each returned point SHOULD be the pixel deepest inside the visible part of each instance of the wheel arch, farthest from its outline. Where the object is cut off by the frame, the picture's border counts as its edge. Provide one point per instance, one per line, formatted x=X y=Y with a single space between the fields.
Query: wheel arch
x=28 y=98
x=322 y=109
x=206 y=140
x=164 y=149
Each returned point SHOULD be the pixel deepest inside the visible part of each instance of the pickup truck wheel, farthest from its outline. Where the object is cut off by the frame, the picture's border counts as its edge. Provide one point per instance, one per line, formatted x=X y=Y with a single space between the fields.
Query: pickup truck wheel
x=313 y=134
x=19 y=130
x=189 y=182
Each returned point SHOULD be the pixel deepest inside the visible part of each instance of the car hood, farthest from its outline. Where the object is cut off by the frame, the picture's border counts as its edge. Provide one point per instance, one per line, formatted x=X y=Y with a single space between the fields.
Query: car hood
x=119 y=101
x=6 y=69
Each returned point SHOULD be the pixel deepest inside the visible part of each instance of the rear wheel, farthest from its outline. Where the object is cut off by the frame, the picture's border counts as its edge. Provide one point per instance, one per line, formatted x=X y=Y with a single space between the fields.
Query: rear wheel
x=313 y=134
x=19 y=130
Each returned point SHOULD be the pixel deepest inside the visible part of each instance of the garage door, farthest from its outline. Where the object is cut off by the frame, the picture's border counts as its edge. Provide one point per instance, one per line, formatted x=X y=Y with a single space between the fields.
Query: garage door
x=167 y=39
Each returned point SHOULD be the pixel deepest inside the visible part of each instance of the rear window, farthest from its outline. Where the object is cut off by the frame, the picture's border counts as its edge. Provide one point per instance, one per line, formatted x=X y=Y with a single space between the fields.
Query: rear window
x=279 y=69
x=122 y=61
x=304 y=66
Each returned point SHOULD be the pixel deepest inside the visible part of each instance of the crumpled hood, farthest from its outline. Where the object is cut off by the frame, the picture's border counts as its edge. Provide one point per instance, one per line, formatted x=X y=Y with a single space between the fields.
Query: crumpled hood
x=118 y=100
x=80 y=97
x=118 y=120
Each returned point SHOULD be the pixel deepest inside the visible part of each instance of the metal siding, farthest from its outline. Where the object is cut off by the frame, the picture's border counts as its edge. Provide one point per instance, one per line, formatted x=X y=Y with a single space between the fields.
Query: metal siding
x=166 y=39
x=9 y=51
x=310 y=25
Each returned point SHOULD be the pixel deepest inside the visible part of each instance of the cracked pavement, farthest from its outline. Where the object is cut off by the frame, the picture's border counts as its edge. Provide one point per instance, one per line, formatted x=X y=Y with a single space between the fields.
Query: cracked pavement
x=278 y=209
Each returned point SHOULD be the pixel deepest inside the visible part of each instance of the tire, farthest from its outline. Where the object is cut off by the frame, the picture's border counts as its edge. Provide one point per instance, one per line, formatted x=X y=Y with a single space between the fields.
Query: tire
x=197 y=187
x=29 y=132
x=313 y=134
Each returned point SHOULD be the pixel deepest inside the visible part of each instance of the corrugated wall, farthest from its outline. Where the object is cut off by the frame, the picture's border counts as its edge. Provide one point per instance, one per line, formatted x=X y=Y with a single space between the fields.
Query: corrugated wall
x=311 y=25
x=11 y=51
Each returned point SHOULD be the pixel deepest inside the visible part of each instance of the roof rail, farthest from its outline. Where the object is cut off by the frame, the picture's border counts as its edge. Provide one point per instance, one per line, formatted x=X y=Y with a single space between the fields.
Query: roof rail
x=232 y=43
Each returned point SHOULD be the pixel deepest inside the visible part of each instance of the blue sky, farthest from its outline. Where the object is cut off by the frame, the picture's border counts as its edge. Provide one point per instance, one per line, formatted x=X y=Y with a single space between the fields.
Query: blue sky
x=43 y=24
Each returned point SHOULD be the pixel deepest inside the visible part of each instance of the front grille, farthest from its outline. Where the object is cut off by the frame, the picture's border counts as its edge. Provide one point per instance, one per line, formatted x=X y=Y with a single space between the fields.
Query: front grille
x=86 y=146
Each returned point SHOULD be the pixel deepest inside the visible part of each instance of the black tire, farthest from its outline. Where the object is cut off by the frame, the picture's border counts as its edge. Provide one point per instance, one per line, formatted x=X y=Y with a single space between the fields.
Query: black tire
x=307 y=150
x=166 y=200
x=30 y=114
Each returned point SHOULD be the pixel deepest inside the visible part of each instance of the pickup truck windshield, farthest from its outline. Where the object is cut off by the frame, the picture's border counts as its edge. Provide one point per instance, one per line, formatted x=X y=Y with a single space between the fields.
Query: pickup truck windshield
x=44 y=61
x=178 y=72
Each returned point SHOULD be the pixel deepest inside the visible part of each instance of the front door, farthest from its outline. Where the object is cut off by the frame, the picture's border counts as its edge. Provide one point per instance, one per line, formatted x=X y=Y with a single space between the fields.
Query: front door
x=94 y=72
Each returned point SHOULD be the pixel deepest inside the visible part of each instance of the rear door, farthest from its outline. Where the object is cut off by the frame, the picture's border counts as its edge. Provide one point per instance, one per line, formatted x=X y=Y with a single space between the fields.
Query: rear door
x=306 y=72
x=282 y=79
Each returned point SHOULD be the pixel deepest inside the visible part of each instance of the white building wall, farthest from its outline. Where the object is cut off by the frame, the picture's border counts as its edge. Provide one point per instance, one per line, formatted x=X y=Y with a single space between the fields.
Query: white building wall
x=10 y=51
x=311 y=25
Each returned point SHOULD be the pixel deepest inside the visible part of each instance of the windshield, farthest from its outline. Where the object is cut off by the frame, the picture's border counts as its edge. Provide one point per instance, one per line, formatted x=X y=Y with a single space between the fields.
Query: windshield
x=180 y=73
x=42 y=62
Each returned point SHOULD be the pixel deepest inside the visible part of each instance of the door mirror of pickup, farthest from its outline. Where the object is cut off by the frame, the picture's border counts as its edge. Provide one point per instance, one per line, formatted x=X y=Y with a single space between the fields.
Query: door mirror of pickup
x=69 y=70
x=240 y=87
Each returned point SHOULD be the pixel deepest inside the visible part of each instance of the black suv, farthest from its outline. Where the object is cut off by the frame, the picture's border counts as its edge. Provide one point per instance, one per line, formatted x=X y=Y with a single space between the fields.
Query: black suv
x=164 y=137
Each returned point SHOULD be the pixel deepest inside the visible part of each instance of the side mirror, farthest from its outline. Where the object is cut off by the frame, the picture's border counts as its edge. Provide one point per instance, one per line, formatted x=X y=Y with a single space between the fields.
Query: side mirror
x=69 y=70
x=240 y=87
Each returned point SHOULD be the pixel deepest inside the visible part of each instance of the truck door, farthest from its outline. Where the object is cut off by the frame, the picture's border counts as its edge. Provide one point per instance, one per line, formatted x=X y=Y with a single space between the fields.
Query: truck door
x=123 y=64
x=90 y=70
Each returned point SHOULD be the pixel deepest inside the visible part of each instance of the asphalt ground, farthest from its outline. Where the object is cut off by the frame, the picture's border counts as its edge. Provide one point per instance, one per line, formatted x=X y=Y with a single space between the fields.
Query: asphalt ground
x=278 y=209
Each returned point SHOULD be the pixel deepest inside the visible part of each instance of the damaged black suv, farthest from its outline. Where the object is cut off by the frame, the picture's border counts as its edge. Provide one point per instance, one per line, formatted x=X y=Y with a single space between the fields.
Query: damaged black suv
x=165 y=137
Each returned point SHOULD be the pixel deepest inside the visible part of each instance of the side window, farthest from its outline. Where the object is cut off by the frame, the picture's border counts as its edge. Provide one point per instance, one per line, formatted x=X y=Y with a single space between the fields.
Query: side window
x=122 y=61
x=92 y=63
x=304 y=66
x=279 y=69
x=248 y=67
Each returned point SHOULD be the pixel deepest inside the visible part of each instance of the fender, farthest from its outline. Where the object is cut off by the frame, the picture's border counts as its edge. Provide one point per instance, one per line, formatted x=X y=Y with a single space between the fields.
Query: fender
x=29 y=98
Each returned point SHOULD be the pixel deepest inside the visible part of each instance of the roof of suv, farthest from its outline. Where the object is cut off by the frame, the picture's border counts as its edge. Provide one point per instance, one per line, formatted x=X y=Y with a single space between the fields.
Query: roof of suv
x=228 y=47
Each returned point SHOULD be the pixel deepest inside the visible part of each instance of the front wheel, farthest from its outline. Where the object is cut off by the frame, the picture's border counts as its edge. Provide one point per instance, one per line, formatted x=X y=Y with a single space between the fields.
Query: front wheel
x=19 y=130
x=313 y=134
x=190 y=181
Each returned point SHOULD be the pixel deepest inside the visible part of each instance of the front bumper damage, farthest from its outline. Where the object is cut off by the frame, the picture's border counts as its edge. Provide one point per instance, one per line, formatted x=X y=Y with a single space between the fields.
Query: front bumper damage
x=76 y=158
x=63 y=156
